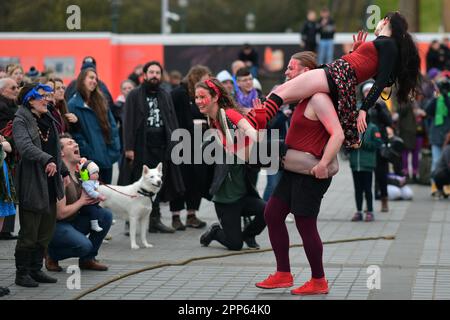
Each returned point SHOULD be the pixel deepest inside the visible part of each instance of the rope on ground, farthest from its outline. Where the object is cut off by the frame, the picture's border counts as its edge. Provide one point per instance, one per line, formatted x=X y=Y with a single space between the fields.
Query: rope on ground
x=230 y=254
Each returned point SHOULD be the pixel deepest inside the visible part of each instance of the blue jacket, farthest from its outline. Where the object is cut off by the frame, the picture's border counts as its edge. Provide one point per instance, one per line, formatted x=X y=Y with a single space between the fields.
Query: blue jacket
x=90 y=138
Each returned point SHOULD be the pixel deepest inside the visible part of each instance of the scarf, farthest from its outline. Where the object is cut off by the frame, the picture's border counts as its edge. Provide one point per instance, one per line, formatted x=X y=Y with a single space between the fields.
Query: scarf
x=246 y=101
x=441 y=111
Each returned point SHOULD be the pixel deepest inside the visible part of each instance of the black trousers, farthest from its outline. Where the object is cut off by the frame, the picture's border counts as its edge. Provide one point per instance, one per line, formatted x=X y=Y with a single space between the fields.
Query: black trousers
x=381 y=172
x=36 y=229
x=191 y=198
x=362 y=182
x=231 y=235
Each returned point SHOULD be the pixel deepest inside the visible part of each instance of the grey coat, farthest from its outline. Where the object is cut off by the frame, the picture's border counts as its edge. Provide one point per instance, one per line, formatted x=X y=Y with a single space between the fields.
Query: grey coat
x=31 y=179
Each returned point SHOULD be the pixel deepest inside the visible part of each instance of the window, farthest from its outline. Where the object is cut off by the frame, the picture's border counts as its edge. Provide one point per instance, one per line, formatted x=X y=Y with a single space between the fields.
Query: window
x=4 y=61
x=61 y=67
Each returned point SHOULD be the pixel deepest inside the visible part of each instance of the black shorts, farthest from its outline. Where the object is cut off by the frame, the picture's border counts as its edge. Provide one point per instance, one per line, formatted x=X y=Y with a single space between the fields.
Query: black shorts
x=303 y=193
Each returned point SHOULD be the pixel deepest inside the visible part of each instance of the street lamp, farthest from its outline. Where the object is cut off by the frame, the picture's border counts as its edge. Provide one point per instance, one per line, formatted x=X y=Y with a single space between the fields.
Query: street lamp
x=115 y=4
x=165 y=16
x=183 y=4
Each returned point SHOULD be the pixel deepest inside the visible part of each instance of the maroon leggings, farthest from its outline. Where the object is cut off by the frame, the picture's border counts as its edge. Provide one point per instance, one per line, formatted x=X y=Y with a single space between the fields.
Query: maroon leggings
x=275 y=215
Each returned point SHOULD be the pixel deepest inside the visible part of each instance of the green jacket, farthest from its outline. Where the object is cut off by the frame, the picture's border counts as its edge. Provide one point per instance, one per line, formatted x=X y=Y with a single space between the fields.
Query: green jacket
x=365 y=158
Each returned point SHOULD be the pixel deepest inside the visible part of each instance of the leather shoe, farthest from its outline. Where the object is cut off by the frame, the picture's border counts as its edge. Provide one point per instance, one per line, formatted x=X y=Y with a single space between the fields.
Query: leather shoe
x=177 y=224
x=41 y=277
x=208 y=236
x=52 y=265
x=193 y=222
x=160 y=227
x=4 y=291
x=92 y=265
x=7 y=236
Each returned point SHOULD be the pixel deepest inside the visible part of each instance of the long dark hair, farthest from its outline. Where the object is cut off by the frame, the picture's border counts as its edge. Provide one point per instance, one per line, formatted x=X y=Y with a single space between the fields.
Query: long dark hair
x=407 y=72
x=60 y=105
x=97 y=102
x=225 y=100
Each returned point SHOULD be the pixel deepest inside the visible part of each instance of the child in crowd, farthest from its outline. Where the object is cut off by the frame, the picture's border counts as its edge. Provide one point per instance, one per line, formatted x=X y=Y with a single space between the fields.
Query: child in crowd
x=89 y=174
x=363 y=163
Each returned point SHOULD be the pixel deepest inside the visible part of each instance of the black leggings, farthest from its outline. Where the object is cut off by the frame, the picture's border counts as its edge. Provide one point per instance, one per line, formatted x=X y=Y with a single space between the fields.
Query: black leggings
x=381 y=173
x=229 y=214
x=362 y=180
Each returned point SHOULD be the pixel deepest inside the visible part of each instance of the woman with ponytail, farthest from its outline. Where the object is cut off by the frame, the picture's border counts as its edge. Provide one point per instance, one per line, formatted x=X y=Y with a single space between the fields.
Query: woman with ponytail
x=232 y=192
x=392 y=58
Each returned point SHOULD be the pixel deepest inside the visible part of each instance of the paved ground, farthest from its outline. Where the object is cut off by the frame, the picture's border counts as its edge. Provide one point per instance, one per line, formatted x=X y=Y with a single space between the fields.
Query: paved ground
x=416 y=265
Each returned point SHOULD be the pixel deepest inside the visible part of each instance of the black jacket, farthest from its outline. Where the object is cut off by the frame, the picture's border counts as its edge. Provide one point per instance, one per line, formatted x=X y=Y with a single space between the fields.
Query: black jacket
x=185 y=108
x=382 y=118
x=7 y=110
x=134 y=114
x=308 y=35
x=327 y=30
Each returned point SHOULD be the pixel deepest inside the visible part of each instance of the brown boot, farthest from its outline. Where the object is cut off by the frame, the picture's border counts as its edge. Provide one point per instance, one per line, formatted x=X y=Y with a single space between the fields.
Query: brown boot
x=177 y=224
x=384 y=204
x=193 y=222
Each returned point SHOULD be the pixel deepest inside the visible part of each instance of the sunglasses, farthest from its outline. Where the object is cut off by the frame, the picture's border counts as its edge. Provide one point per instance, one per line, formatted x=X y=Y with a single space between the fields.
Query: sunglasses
x=46 y=96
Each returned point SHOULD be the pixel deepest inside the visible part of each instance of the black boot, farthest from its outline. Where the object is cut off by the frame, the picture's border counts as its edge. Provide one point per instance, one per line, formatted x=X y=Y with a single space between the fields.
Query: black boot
x=23 y=261
x=155 y=225
x=36 y=268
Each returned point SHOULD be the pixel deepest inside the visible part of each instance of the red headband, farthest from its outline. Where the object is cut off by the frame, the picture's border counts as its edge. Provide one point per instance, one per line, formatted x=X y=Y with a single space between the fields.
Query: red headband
x=211 y=85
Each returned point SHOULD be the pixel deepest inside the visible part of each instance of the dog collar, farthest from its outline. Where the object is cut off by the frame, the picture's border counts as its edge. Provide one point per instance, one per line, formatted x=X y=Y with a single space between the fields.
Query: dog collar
x=145 y=193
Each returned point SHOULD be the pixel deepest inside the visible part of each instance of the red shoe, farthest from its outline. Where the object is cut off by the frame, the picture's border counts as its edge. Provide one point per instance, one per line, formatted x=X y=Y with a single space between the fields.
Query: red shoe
x=277 y=280
x=313 y=286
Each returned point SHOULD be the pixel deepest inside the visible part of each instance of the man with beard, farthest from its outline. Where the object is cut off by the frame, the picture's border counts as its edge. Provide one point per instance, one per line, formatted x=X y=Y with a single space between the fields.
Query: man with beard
x=148 y=123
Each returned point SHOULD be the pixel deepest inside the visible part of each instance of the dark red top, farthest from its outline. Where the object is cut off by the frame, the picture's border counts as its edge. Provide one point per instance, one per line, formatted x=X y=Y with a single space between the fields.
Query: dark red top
x=364 y=61
x=376 y=59
x=234 y=116
x=305 y=134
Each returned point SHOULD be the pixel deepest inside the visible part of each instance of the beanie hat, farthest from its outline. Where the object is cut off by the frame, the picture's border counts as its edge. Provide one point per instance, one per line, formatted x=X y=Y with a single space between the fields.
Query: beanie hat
x=32 y=73
x=257 y=84
x=224 y=75
x=88 y=62
x=86 y=65
x=433 y=73
x=87 y=169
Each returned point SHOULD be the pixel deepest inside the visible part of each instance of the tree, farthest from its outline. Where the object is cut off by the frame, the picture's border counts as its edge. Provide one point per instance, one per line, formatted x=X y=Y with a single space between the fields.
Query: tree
x=410 y=9
x=446 y=15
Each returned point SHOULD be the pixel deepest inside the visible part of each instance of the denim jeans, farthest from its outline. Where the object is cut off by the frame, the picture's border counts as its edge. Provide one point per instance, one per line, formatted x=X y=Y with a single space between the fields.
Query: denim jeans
x=326 y=51
x=436 y=151
x=272 y=181
x=69 y=239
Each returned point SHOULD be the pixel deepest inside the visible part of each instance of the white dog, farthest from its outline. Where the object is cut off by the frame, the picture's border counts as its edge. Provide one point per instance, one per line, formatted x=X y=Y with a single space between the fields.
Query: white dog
x=133 y=202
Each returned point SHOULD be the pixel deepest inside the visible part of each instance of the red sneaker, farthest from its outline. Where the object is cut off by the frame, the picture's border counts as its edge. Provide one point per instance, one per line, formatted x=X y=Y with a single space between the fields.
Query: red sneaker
x=277 y=280
x=313 y=286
